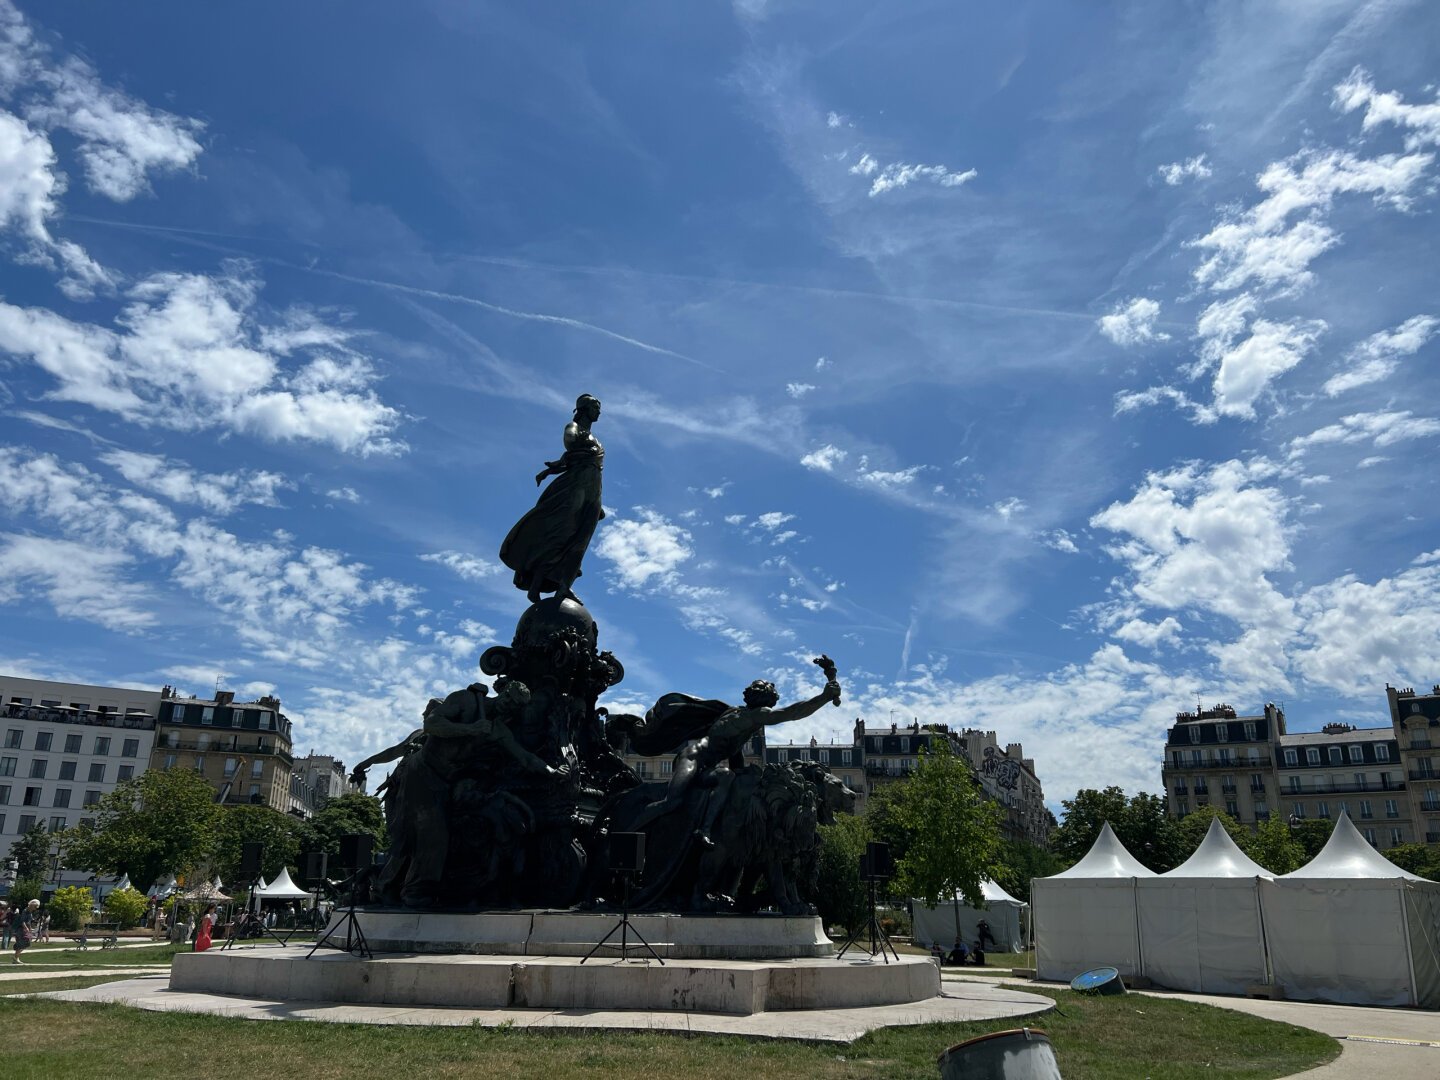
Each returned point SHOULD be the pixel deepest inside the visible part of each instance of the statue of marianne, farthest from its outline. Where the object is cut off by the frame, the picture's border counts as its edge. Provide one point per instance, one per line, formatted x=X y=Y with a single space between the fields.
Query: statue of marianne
x=547 y=545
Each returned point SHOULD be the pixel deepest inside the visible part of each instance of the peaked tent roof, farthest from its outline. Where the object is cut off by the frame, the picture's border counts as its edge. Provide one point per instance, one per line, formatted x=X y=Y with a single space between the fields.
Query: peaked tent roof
x=282 y=888
x=993 y=894
x=123 y=883
x=1347 y=854
x=1107 y=858
x=1218 y=856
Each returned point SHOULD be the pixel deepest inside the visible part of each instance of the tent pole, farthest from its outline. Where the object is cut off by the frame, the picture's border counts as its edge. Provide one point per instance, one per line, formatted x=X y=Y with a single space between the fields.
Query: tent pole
x=1269 y=974
x=1409 y=952
x=1139 y=945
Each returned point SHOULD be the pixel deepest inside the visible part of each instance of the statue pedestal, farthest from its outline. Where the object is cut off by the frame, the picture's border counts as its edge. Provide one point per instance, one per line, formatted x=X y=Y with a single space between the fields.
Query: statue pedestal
x=736 y=987
x=569 y=933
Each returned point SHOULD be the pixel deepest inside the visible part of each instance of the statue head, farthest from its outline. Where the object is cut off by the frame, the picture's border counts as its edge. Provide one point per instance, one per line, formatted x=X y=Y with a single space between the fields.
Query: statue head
x=761 y=694
x=587 y=408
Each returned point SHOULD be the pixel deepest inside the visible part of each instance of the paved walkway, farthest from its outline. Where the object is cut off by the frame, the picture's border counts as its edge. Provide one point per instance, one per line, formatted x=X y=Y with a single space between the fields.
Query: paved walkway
x=21 y=972
x=1375 y=1044
x=960 y=1002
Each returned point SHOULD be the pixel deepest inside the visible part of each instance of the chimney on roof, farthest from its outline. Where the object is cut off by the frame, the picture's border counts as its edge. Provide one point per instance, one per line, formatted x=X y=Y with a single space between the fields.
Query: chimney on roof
x=893 y=729
x=224 y=697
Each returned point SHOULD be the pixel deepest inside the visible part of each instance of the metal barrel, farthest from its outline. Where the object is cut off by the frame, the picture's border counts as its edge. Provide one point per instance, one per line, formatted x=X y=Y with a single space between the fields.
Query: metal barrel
x=1018 y=1054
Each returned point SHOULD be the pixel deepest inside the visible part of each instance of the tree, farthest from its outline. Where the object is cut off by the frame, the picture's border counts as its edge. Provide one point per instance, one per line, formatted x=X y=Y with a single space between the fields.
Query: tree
x=125 y=906
x=1139 y=821
x=1417 y=858
x=32 y=853
x=70 y=907
x=26 y=889
x=1192 y=828
x=161 y=822
x=1022 y=861
x=1311 y=835
x=245 y=824
x=353 y=812
x=952 y=830
x=1274 y=848
x=840 y=895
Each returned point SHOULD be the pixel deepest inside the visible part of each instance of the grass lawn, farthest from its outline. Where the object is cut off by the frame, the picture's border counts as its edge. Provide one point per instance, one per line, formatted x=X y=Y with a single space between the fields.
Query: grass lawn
x=43 y=986
x=58 y=957
x=999 y=961
x=1113 y=1038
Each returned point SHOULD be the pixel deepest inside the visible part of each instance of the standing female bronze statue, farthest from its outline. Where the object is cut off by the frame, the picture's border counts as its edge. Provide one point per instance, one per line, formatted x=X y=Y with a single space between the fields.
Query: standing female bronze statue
x=547 y=545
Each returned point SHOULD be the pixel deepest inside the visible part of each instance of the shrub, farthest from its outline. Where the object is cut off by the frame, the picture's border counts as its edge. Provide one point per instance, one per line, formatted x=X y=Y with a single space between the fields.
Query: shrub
x=24 y=890
x=125 y=906
x=70 y=907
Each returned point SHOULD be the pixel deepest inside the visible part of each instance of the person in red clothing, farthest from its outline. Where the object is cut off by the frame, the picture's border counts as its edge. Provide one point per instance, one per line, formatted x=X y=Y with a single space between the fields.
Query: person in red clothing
x=207 y=926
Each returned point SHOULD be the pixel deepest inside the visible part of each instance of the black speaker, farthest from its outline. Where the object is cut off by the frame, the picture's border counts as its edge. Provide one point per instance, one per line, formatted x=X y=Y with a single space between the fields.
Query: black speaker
x=312 y=866
x=355 y=850
x=877 y=864
x=627 y=852
x=251 y=856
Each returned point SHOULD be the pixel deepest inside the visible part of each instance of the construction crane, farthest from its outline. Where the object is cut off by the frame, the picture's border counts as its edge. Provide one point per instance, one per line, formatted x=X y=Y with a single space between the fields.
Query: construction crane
x=224 y=792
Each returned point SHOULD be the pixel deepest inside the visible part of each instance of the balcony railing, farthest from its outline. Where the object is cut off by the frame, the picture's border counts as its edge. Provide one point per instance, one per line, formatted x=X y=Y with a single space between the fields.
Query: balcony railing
x=134 y=721
x=1430 y=807
x=1424 y=774
x=228 y=748
x=1234 y=763
x=1420 y=743
x=1325 y=787
x=1228 y=789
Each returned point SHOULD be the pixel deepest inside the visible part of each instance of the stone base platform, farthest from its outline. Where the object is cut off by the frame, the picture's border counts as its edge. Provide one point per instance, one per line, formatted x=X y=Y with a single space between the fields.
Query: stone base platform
x=570 y=933
x=738 y=987
x=961 y=1000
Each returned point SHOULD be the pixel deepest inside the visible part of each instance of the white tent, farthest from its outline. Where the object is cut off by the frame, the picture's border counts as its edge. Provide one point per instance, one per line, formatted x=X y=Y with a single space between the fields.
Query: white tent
x=1001 y=911
x=282 y=888
x=163 y=889
x=1085 y=917
x=1200 y=926
x=1351 y=926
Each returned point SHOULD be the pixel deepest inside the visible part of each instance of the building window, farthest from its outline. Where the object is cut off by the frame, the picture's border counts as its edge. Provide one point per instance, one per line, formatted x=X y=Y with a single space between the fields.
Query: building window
x=1194 y=730
x=229 y=768
x=126 y=772
x=1291 y=758
x=1257 y=781
x=7 y=766
x=1177 y=759
x=32 y=797
x=72 y=744
x=1184 y=807
x=1312 y=755
x=207 y=715
x=97 y=773
x=1365 y=810
x=4 y=796
x=169 y=761
x=1322 y=809
x=844 y=757
x=257 y=769
x=2 y=823
x=1194 y=758
x=27 y=822
x=102 y=745
x=1222 y=732
x=1370 y=836
x=12 y=739
x=255 y=791
x=57 y=823
x=1262 y=809
x=1382 y=752
x=1232 y=808
x=1297 y=811
x=1397 y=836
x=1392 y=808
x=200 y=764
x=1250 y=735
x=67 y=770
x=1336 y=755
x=1357 y=752
x=666 y=766
x=42 y=740
x=38 y=767
x=130 y=748
x=1224 y=755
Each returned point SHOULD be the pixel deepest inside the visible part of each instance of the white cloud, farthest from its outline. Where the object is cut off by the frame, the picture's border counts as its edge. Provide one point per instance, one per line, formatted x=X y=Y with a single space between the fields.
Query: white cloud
x=1150 y=635
x=798 y=389
x=822 y=363
x=78 y=580
x=825 y=459
x=773 y=520
x=900 y=174
x=188 y=354
x=1008 y=508
x=1177 y=172
x=1060 y=540
x=835 y=120
x=343 y=494
x=892 y=479
x=1132 y=322
x=220 y=493
x=1377 y=357
x=1382 y=429
x=121 y=141
x=1421 y=122
x=718 y=490
x=468 y=567
x=646 y=550
x=1248 y=368
x=734 y=519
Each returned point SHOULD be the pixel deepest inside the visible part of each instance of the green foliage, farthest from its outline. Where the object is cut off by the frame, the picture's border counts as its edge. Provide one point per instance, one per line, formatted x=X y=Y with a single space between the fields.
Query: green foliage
x=247 y=824
x=70 y=907
x=161 y=822
x=352 y=812
x=1274 y=848
x=840 y=895
x=25 y=889
x=952 y=830
x=1192 y=829
x=1139 y=821
x=32 y=853
x=1311 y=835
x=1020 y=861
x=1419 y=859
x=125 y=906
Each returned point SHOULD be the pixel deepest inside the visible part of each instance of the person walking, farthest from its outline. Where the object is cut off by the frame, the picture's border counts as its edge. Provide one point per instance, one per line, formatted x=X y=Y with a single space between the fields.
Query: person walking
x=25 y=928
x=7 y=913
x=44 y=935
x=207 y=927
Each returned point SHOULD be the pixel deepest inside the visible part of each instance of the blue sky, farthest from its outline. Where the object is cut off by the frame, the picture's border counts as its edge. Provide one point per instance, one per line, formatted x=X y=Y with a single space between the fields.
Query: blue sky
x=1046 y=366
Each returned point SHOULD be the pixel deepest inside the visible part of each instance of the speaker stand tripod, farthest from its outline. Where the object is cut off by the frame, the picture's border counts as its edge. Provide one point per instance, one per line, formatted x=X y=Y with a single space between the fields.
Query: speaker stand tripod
x=879 y=940
x=256 y=920
x=354 y=934
x=625 y=928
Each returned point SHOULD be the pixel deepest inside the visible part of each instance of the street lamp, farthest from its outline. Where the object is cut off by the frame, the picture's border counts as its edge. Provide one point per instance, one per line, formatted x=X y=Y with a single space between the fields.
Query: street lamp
x=57 y=853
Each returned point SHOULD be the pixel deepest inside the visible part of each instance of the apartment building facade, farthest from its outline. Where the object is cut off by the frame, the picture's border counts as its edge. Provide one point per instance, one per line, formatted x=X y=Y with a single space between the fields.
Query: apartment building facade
x=242 y=748
x=64 y=745
x=1416 y=720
